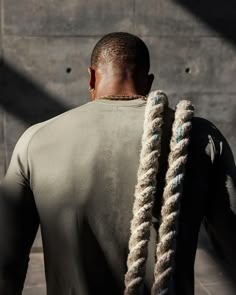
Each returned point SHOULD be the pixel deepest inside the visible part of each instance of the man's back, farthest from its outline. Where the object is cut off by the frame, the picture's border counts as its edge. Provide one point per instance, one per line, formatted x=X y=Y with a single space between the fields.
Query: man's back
x=82 y=168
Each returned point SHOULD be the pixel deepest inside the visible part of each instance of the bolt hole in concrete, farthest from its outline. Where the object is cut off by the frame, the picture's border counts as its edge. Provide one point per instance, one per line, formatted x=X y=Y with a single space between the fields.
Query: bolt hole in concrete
x=68 y=70
x=187 y=70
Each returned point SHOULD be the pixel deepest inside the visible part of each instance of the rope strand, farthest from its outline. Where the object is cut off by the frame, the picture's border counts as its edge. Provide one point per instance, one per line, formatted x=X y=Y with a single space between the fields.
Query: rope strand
x=145 y=191
x=171 y=198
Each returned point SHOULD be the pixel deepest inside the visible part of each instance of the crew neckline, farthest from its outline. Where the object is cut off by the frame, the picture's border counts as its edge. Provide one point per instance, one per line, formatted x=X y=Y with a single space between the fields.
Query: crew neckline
x=134 y=102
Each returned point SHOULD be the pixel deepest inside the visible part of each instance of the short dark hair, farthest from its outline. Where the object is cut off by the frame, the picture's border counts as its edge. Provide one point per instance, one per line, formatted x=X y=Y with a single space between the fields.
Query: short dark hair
x=122 y=49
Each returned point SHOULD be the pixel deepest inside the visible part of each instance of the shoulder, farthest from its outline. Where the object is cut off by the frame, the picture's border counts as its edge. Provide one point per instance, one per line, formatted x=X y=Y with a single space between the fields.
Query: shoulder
x=33 y=131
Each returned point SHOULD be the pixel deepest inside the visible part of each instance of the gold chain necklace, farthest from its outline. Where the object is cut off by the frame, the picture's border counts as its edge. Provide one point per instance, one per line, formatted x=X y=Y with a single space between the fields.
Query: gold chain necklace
x=122 y=97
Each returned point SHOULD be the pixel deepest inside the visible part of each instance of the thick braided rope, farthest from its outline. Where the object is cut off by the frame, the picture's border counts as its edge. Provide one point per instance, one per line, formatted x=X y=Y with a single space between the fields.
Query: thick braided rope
x=145 y=191
x=171 y=197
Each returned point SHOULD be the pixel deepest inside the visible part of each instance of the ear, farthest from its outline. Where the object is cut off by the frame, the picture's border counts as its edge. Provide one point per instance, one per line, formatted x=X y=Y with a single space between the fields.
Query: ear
x=149 y=82
x=92 y=80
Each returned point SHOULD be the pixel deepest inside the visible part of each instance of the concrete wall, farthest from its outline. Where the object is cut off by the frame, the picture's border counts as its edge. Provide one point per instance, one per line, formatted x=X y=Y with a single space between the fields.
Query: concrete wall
x=45 y=48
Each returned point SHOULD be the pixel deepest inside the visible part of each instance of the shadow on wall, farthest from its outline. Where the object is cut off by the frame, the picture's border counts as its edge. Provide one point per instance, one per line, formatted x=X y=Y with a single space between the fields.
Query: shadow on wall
x=217 y=14
x=25 y=99
x=221 y=17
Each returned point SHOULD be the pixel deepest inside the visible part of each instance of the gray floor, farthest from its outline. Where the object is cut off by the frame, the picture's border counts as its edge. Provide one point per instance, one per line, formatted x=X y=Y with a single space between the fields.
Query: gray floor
x=210 y=277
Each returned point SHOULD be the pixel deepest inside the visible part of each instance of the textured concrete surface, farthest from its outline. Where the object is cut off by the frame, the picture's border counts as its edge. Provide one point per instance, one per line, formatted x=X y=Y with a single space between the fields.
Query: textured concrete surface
x=58 y=66
x=195 y=65
x=184 y=17
x=48 y=17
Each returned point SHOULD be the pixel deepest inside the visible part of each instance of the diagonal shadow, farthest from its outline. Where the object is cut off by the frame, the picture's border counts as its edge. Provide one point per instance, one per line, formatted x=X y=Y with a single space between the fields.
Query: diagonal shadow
x=220 y=16
x=217 y=14
x=24 y=99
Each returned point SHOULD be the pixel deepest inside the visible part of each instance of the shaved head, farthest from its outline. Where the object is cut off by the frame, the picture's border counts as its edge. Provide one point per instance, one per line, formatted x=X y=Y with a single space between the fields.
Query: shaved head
x=120 y=65
x=122 y=50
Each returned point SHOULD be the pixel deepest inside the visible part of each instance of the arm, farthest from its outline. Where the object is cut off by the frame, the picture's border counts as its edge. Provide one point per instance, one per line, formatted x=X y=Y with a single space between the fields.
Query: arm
x=18 y=221
x=220 y=216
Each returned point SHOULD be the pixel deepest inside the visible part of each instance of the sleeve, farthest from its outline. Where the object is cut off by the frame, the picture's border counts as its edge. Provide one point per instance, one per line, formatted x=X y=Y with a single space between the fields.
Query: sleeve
x=220 y=218
x=18 y=220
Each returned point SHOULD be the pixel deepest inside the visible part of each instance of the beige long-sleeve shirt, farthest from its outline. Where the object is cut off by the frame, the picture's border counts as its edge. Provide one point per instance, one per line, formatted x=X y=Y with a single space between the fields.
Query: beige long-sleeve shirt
x=75 y=176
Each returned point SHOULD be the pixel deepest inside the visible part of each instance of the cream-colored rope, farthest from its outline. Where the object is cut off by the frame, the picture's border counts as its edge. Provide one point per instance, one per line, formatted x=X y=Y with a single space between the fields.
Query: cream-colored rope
x=171 y=198
x=145 y=191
